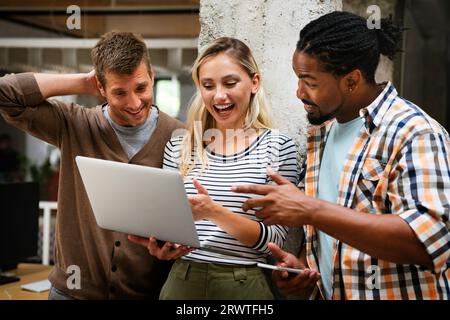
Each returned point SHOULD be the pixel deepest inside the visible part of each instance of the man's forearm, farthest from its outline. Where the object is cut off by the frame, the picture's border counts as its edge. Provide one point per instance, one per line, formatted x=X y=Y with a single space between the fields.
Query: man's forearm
x=52 y=85
x=386 y=237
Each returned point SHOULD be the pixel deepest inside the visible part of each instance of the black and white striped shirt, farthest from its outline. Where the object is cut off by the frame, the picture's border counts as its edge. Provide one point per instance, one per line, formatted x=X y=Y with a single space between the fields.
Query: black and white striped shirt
x=246 y=167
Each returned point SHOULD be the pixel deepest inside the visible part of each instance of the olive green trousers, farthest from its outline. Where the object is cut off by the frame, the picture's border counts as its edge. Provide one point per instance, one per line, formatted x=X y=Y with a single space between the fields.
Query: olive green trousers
x=210 y=281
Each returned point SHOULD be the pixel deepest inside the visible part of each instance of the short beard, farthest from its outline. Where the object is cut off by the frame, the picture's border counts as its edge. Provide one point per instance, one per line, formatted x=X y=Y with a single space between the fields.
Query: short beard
x=317 y=121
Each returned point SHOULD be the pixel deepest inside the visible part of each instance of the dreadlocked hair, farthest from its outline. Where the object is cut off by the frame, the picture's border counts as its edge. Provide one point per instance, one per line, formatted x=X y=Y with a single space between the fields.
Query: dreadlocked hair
x=342 y=42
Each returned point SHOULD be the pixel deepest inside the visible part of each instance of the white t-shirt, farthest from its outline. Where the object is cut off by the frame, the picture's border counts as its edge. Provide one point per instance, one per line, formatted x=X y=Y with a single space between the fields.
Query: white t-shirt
x=246 y=167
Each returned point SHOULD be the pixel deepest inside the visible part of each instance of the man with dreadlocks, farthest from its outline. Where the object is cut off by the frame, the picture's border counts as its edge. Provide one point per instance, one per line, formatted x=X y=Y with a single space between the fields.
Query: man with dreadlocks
x=376 y=200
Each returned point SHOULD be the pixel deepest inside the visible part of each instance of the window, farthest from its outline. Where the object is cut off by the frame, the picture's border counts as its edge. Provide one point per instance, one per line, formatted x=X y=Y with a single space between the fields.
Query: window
x=167 y=96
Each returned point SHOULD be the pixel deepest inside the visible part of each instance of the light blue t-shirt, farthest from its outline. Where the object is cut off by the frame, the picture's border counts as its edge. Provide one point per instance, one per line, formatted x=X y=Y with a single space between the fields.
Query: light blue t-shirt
x=133 y=139
x=340 y=139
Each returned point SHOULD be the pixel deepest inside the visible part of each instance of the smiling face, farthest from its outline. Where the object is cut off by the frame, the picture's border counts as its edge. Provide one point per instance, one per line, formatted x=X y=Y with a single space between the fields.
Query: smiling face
x=324 y=96
x=226 y=89
x=129 y=96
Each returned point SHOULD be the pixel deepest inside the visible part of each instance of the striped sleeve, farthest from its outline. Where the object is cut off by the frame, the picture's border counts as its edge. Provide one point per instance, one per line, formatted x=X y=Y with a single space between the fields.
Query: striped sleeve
x=284 y=159
x=423 y=194
x=172 y=153
x=286 y=165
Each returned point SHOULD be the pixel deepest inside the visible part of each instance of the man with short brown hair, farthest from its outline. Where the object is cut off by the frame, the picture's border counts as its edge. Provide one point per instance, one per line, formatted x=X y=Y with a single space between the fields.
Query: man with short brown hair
x=107 y=55
x=128 y=128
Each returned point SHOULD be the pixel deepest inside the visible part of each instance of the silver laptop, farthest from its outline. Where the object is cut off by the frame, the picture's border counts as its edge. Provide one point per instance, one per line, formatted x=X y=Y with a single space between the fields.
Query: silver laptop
x=142 y=201
x=138 y=200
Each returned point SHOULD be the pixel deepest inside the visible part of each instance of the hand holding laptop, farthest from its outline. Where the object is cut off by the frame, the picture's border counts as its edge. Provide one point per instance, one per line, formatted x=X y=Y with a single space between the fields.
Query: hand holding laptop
x=160 y=249
x=166 y=250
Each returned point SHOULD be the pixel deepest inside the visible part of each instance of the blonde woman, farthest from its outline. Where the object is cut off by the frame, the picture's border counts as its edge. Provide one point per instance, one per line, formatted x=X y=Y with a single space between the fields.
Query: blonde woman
x=228 y=142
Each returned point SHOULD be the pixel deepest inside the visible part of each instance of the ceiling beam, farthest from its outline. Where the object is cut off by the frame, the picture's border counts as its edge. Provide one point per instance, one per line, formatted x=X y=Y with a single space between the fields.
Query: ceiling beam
x=117 y=10
x=44 y=27
x=90 y=43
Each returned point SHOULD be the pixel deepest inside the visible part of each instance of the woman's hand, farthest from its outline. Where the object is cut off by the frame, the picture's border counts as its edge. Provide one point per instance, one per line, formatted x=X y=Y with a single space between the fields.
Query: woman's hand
x=202 y=205
x=241 y=228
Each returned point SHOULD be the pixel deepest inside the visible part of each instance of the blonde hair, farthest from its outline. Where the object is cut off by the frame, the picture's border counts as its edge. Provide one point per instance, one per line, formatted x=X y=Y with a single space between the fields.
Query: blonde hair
x=258 y=114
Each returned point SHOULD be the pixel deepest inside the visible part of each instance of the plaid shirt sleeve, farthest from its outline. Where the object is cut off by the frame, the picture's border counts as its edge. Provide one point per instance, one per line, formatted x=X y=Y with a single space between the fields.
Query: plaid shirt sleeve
x=302 y=175
x=421 y=192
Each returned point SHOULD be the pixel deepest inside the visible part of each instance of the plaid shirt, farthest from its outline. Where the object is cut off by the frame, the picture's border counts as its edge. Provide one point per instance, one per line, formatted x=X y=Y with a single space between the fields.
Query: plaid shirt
x=399 y=165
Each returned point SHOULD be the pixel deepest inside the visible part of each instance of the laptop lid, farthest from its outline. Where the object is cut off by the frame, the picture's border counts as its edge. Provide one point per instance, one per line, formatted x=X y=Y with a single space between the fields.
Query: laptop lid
x=138 y=200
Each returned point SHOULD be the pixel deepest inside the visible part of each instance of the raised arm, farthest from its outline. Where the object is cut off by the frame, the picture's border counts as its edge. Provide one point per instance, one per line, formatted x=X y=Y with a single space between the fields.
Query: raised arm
x=52 y=85
x=23 y=101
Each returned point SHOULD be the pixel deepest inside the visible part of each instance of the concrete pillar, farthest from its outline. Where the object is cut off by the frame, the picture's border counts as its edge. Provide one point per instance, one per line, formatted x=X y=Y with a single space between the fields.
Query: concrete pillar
x=271 y=29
